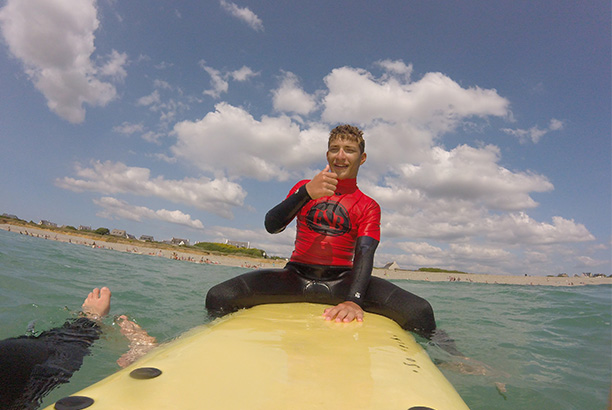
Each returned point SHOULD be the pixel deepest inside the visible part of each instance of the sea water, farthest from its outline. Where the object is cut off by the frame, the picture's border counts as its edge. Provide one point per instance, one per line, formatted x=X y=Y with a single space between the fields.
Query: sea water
x=528 y=347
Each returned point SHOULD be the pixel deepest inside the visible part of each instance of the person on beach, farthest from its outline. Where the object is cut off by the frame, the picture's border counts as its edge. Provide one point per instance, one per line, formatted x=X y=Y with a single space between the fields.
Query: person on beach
x=338 y=231
x=31 y=366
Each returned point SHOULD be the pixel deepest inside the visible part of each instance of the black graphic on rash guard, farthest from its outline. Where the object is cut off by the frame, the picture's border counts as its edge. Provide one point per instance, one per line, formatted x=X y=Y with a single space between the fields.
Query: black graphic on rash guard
x=329 y=218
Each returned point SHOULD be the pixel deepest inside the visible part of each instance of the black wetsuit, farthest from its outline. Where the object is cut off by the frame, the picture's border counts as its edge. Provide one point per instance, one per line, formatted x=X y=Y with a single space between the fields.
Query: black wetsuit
x=31 y=366
x=341 y=215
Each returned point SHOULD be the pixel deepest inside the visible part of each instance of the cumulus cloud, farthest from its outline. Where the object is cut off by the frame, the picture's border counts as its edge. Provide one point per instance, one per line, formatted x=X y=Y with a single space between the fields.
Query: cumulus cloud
x=473 y=174
x=290 y=97
x=217 y=196
x=520 y=228
x=113 y=208
x=232 y=141
x=435 y=101
x=461 y=221
x=54 y=39
x=243 y=14
x=454 y=256
x=534 y=134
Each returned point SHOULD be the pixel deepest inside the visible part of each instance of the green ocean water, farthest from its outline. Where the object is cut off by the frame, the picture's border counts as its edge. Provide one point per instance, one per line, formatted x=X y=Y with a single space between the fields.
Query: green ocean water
x=551 y=348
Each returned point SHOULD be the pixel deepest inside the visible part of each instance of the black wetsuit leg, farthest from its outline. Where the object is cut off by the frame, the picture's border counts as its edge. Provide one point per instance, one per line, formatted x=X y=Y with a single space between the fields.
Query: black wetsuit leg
x=287 y=285
x=30 y=367
x=264 y=286
x=410 y=311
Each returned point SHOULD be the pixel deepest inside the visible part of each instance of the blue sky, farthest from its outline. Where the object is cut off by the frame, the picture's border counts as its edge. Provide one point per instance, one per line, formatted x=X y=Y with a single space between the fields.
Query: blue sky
x=487 y=124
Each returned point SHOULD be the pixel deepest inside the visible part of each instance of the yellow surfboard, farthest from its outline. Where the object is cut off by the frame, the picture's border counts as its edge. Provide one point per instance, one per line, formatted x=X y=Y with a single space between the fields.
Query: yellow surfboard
x=282 y=356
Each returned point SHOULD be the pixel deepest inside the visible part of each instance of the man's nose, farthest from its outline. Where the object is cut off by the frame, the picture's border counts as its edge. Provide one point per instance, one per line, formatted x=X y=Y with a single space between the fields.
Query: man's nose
x=341 y=154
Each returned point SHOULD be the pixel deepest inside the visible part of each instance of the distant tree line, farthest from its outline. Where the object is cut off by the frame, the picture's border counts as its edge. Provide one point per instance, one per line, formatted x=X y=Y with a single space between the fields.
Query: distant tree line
x=229 y=249
x=439 y=270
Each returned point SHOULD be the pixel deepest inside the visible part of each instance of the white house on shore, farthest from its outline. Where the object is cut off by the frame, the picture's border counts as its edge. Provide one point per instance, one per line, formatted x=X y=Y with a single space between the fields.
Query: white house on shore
x=392 y=266
x=238 y=244
x=119 y=232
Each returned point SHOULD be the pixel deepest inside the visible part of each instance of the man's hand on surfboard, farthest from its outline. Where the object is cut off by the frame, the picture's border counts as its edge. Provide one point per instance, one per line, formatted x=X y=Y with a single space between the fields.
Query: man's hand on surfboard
x=344 y=312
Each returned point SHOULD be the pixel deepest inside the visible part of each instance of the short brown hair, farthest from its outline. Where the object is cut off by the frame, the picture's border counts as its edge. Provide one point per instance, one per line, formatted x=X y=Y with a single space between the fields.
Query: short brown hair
x=347 y=132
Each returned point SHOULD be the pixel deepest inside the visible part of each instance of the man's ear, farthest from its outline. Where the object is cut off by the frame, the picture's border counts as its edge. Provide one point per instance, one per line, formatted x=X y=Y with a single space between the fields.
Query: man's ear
x=364 y=156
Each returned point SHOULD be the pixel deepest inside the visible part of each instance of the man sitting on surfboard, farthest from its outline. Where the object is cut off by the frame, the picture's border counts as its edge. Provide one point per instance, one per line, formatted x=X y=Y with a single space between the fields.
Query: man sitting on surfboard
x=338 y=230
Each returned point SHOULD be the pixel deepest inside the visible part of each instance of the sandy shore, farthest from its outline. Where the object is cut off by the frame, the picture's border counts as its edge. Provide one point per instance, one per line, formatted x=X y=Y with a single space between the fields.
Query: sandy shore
x=147 y=248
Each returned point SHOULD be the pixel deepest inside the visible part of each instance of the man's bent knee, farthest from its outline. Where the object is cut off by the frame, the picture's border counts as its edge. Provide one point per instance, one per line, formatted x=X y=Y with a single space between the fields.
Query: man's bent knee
x=425 y=322
x=219 y=299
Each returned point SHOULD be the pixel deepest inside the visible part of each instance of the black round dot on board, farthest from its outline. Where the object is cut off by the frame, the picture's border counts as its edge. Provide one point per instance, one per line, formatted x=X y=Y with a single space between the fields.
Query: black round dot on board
x=73 y=403
x=145 y=373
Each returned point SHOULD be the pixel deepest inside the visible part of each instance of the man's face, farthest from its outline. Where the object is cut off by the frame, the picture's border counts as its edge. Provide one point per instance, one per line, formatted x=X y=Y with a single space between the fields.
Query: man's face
x=345 y=158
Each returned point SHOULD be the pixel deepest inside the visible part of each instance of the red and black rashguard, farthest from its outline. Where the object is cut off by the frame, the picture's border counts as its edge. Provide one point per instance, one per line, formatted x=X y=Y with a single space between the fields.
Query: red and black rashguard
x=342 y=230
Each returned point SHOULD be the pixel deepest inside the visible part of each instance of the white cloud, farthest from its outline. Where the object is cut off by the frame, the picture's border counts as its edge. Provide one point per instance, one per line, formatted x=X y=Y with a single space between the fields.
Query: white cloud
x=220 y=81
x=127 y=128
x=588 y=262
x=114 y=67
x=162 y=84
x=473 y=174
x=230 y=140
x=168 y=108
x=435 y=101
x=534 y=134
x=217 y=196
x=290 y=97
x=114 y=208
x=461 y=221
x=478 y=254
x=151 y=136
x=520 y=228
x=242 y=74
x=396 y=67
x=55 y=41
x=151 y=99
x=244 y=14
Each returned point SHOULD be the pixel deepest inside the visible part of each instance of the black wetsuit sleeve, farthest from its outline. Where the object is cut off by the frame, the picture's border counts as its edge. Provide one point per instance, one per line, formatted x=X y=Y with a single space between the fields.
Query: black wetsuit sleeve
x=362 y=268
x=282 y=214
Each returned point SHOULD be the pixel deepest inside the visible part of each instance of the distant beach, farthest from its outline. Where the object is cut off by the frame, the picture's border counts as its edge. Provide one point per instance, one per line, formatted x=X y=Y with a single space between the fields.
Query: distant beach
x=196 y=256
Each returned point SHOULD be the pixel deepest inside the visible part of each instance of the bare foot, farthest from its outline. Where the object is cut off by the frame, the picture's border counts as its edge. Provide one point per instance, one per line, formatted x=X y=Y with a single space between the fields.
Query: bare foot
x=97 y=303
x=140 y=341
